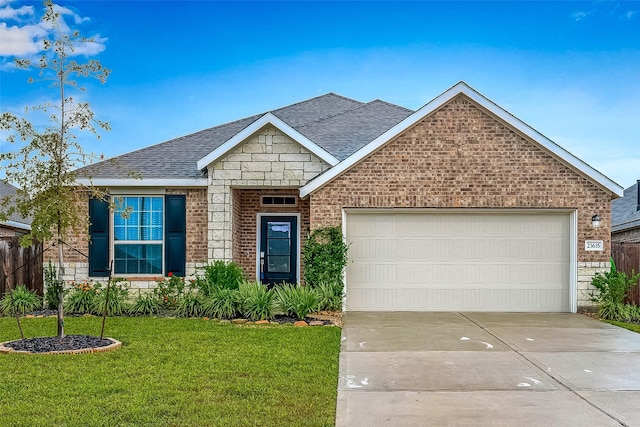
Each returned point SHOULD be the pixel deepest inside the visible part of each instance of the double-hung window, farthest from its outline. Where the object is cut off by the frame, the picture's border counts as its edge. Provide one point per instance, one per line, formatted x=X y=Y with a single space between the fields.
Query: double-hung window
x=138 y=230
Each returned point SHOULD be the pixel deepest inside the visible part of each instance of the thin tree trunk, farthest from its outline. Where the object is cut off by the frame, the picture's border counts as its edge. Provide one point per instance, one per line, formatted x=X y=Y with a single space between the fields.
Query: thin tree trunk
x=60 y=290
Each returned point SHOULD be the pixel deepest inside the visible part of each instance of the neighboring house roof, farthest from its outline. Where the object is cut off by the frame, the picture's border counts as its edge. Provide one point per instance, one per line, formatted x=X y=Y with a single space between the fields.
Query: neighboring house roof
x=15 y=220
x=624 y=211
x=491 y=107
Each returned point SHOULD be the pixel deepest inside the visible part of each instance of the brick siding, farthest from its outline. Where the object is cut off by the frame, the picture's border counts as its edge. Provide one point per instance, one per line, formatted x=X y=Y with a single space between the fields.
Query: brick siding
x=460 y=156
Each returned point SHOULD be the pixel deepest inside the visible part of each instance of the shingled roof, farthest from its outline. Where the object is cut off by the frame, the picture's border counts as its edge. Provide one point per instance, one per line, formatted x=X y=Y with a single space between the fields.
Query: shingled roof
x=624 y=211
x=335 y=123
x=15 y=219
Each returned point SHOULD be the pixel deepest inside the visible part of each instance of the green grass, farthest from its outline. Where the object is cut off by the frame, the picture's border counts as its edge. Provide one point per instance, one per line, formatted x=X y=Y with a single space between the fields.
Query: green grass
x=635 y=327
x=173 y=372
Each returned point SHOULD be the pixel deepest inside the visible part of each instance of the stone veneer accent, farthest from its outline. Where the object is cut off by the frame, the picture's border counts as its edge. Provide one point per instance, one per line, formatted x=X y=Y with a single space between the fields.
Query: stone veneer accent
x=77 y=266
x=460 y=156
x=586 y=272
x=269 y=158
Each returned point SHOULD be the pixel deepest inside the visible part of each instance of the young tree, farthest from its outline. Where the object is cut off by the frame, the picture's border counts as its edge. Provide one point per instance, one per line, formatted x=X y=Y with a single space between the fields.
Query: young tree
x=44 y=168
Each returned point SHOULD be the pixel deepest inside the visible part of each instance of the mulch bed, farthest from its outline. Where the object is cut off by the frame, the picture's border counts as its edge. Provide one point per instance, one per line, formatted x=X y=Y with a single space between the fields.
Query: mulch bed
x=48 y=344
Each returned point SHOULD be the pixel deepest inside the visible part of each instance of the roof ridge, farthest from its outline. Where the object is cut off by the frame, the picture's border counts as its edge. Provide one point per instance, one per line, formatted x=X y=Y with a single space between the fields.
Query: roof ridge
x=363 y=105
x=315 y=97
x=391 y=104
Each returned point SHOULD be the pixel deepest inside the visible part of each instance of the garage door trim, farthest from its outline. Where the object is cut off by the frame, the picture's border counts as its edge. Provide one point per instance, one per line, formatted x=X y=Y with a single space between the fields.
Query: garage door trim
x=573 y=233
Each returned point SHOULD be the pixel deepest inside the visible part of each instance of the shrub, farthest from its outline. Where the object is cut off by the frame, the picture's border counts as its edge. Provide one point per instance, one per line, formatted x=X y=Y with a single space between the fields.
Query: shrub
x=612 y=286
x=330 y=296
x=191 y=304
x=610 y=310
x=81 y=299
x=324 y=256
x=20 y=301
x=634 y=313
x=118 y=296
x=256 y=301
x=51 y=284
x=145 y=305
x=169 y=291
x=221 y=303
x=220 y=274
x=295 y=300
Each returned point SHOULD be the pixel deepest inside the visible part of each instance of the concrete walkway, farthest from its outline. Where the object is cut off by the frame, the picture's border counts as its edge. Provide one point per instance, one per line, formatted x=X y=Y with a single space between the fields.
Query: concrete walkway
x=487 y=369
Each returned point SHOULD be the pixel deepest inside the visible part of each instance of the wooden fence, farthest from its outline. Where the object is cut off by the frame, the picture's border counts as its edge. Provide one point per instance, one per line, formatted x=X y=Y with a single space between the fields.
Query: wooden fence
x=627 y=259
x=20 y=266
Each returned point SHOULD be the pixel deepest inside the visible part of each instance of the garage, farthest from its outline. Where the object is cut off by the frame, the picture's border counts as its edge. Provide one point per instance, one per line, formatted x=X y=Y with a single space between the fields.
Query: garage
x=469 y=260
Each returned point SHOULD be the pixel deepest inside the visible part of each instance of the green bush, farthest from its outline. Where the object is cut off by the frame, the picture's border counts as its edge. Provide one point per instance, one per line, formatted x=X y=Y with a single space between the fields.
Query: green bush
x=20 y=301
x=617 y=311
x=330 y=296
x=51 y=285
x=81 y=299
x=191 y=304
x=169 y=291
x=324 y=256
x=256 y=301
x=145 y=305
x=221 y=303
x=612 y=286
x=118 y=298
x=295 y=300
x=220 y=274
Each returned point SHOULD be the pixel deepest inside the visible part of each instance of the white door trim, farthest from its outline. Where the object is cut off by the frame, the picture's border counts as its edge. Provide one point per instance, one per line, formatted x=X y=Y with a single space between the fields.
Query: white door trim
x=258 y=222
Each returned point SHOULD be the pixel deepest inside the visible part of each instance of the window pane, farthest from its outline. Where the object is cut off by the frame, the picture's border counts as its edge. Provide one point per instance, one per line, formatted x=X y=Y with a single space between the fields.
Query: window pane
x=278 y=247
x=279 y=264
x=278 y=229
x=138 y=259
x=156 y=203
x=119 y=233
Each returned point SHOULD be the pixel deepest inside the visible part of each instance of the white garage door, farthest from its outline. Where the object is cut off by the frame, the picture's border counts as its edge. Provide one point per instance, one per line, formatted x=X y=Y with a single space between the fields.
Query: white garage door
x=423 y=261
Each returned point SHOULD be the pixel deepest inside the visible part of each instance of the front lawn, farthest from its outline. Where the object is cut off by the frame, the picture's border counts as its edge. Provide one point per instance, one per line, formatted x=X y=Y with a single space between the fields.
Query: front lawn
x=635 y=327
x=173 y=372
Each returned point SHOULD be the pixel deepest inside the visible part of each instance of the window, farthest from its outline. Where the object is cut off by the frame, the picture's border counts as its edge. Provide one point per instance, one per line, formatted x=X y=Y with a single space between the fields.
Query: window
x=149 y=239
x=138 y=235
x=278 y=200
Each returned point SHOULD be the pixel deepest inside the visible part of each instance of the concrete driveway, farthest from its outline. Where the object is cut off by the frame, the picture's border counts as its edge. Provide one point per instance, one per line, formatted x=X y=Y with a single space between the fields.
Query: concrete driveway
x=491 y=369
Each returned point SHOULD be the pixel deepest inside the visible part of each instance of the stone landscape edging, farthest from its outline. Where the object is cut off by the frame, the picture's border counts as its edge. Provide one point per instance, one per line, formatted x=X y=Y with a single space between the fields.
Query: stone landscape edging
x=114 y=344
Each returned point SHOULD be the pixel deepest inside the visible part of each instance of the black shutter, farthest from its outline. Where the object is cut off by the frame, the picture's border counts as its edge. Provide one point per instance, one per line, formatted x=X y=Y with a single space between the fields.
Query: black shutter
x=99 y=238
x=175 y=234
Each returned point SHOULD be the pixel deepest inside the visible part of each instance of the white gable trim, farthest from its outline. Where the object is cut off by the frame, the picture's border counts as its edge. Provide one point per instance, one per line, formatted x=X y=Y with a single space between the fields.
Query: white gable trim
x=144 y=182
x=438 y=102
x=267 y=119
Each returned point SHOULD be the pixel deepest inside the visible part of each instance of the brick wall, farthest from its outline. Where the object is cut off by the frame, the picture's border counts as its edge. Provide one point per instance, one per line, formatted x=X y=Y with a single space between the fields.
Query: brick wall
x=267 y=159
x=247 y=204
x=462 y=157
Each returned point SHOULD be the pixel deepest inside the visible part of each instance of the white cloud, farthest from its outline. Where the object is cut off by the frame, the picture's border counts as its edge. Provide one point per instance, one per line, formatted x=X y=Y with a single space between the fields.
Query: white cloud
x=580 y=15
x=7 y=12
x=630 y=14
x=20 y=41
x=24 y=40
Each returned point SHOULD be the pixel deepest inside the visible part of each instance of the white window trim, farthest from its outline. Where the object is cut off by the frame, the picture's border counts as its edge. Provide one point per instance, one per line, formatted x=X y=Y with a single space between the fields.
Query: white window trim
x=258 y=222
x=112 y=240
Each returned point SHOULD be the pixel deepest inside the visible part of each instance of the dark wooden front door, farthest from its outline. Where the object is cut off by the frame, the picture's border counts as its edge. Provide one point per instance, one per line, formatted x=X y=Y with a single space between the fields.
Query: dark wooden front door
x=278 y=249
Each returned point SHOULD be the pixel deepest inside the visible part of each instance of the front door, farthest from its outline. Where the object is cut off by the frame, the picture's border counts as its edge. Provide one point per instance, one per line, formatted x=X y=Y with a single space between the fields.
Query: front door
x=278 y=249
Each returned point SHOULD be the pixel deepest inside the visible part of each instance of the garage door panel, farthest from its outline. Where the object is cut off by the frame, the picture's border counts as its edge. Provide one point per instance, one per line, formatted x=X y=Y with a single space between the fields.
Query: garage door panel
x=475 y=262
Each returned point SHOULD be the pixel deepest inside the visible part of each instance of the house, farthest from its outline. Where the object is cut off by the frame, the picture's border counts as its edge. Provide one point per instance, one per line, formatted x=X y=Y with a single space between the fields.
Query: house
x=625 y=216
x=456 y=206
x=14 y=225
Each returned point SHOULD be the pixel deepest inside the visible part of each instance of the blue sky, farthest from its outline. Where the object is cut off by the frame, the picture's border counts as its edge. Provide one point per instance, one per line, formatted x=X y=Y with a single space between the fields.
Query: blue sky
x=569 y=69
